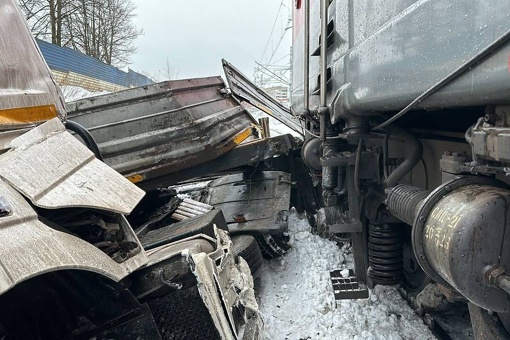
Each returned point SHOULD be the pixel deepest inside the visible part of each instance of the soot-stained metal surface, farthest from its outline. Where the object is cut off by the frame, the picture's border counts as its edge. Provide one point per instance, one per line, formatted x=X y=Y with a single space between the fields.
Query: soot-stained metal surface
x=255 y=202
x=151 y=131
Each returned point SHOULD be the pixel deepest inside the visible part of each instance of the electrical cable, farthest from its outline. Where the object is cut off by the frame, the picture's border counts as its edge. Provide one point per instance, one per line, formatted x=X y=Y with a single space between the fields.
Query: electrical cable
x=443 y=82
x=272 y=30
x=85 y=136
x=385 y=156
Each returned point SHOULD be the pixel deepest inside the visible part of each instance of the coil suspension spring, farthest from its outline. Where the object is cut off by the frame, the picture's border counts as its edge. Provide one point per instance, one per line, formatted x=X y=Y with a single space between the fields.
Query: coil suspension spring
x=385 y=254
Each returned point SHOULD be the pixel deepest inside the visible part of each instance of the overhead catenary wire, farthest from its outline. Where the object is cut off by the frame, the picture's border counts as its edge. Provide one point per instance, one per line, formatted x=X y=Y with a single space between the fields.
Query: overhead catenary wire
x=273 y=45
x=271 y=73
x=272 y=31
x=282 y=36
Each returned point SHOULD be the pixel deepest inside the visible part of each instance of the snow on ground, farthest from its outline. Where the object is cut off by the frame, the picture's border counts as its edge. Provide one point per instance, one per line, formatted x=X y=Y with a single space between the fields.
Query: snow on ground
x=297 y=302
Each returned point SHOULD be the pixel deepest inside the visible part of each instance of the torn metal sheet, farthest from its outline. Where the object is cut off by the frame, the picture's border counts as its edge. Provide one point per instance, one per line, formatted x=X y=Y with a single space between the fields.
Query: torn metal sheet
x=256 y=202
x=243 y=89
x=29 y=248
x=54 y=170
x=149 y=132
x=227 y=286
x=245 y=154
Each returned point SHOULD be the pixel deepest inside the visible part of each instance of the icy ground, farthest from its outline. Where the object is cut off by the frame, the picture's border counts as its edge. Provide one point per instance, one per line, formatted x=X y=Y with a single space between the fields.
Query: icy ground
x=297 y=302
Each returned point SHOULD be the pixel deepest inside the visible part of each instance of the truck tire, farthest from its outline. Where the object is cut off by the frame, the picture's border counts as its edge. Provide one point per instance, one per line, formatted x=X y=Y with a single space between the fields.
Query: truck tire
x=247 y=247
x=273 y=246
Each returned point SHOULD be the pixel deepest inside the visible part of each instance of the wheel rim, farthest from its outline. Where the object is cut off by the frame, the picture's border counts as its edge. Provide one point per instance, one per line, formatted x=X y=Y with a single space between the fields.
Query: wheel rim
x=415 y=279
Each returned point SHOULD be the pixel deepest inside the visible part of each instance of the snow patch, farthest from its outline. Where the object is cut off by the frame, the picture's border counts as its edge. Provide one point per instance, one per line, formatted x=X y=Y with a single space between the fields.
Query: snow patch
x=297 y=301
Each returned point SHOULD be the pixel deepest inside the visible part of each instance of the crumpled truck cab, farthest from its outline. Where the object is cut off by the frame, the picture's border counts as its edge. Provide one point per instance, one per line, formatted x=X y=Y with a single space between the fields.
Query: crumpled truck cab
x=71 y=266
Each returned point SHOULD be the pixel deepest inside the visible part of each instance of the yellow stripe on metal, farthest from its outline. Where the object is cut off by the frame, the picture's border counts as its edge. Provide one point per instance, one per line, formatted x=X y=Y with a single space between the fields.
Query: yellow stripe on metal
x=238 y=139
x=26 y=115
x=264 y=109
x=135 y=178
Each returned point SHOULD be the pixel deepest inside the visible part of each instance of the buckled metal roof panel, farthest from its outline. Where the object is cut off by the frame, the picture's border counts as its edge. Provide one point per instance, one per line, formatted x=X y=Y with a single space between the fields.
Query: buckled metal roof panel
x=151 y=131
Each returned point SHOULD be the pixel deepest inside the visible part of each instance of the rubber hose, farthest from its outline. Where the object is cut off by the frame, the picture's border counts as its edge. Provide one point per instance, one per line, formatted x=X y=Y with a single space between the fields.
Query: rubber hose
x=409 y=163
x=86 y=136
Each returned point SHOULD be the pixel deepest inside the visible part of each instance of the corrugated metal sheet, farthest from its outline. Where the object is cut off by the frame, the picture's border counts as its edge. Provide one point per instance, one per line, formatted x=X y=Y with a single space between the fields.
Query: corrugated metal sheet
x=69 y=60
x=148 y=132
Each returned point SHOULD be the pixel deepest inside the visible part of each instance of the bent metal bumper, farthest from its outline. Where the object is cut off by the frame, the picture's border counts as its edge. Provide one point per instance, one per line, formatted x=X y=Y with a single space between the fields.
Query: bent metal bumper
x=223 y=281
x=54 y=170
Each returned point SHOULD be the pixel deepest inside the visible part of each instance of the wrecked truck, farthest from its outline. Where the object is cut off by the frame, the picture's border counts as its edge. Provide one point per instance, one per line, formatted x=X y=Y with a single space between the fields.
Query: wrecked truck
x=85 y=252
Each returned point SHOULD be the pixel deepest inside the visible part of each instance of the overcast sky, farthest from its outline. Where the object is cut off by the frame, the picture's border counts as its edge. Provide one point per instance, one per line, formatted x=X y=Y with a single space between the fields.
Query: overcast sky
x=194 y=35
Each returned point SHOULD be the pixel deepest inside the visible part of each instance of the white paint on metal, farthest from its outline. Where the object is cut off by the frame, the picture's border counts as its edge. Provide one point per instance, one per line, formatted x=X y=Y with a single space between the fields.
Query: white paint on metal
x=225 y=284
x=29 y=248
x=192 y=245
x=55 y=170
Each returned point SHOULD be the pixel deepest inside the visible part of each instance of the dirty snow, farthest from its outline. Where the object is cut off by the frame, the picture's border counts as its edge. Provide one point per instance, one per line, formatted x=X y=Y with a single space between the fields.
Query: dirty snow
x=297 y=302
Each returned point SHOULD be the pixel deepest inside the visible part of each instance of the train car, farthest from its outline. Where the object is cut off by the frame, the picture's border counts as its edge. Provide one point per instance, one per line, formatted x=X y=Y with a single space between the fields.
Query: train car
x=406 y=110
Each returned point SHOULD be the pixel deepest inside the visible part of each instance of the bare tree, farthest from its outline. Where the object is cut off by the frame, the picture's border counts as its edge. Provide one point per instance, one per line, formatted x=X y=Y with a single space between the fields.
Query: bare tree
x=103 y=29
x=168 y=72
x=47 y=17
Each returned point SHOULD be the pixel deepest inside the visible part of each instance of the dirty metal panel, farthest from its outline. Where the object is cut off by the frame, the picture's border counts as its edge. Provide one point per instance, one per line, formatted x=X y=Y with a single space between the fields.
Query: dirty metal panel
x=54 y=170
x=243 y=89
x=151 y=131
x=203 y=224
x=406 y=47
x=29 y=248
x=191 y=245
x=245 y=154
x=255 y=202
x=28 y=92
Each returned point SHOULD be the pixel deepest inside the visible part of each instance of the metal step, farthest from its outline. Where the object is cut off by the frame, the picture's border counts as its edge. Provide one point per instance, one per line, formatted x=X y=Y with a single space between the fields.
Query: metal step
x=349 y=287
